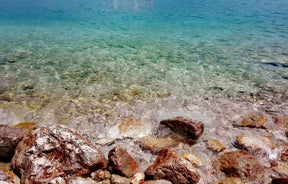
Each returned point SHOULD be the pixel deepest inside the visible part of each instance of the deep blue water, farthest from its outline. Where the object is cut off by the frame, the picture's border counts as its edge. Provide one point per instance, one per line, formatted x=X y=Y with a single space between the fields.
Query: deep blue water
x=182 y=47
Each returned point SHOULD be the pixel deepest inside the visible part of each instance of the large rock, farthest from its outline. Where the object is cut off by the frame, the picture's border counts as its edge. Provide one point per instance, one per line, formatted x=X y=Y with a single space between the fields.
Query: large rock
x=120 y=162
x=9 y=138
x=170 y=166
x=242 y=164
x=55 y=154
x=186 y=127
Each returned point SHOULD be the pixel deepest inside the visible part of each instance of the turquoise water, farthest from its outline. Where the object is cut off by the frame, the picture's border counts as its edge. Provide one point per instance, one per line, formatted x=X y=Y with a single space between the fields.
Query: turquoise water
x=143 y=49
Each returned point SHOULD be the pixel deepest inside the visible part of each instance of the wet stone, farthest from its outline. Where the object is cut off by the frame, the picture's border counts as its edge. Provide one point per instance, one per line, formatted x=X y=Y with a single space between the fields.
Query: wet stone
x=282 y=122
x=281 y=169
x=254 y=120
x=120 y=162
x=214 y=145
x=230 y=180
x=79 y=180
x=170 y=166
x=241 y=164
x=138 y=178
x=116 y=179
x=5 y=178
x=101 y=175
x=279 y=181
x=194 y=159
x=157 y=182
x=9 y=138
x=189 y=128
x=55 y=154
x=154 y=144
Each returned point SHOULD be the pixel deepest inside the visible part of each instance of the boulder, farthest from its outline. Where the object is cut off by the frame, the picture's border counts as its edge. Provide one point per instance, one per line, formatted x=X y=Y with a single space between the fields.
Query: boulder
x=188 y=128
x=9 y=138
x=120 y=162
x=170 y=166
x=55 y=154
x=241 y=164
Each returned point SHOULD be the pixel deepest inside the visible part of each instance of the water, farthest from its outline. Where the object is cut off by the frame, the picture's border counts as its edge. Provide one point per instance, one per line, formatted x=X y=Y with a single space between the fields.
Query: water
x=68 y=61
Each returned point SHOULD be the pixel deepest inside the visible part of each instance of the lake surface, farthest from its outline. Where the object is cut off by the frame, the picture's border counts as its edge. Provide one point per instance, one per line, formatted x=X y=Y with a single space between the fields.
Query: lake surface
x=61 y=58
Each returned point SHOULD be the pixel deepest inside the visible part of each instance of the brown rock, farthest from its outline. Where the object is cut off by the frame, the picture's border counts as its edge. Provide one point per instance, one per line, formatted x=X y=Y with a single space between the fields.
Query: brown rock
x=101 y=175
x=121 y=162
x=116 y=179
x=25 y=125
x=55 y=154
x=282 y=122
x=170 y=166
x=281 y=169
x=186 y=127
x=214 y=145
x=254 y=120
x=194 y=159
x=253 y=144
x=284 y=155
x=154 y=144
x=9 y=138
x=241 y=164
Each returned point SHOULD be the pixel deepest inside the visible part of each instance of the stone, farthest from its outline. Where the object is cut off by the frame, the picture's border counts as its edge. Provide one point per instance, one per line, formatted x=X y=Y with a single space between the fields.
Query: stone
x=194 y=159
x=105 y=142
x=130 y=128
x=55 y=154
x=241 y=164
x=116 y=179
x=186 y=127
x=25 y=125
x=230 y=180
x=279 y=181
x=254 y=120
x=138 y=178
x=154 y=144
x=170 y=166
x=9 y=138
x=157 y=182
x=5 y=178
x=284 y=155
x=214 y=145
x=120 y=162
x=101 y=175
x=281 y=122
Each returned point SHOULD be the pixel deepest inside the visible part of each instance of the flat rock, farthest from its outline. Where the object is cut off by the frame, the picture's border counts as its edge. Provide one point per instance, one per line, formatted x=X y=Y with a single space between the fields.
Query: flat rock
x=214 y=145
x=241 y=164
x=253 y=120
x=116 y=179
x=189 y=128
x=55 y=154
x=120 y=162
x=9 y=138
x=170 y=166
x=154 y=144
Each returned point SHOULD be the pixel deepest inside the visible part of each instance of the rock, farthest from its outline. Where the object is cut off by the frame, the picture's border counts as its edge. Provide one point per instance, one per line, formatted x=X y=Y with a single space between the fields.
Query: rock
x=131 y=128
x=5 y=178
x=281 y=169
x=241 y=164
x=101 y=175
x=157 y=182
x=120 y=162
x=282 y=122
x=214 y=145
x=25 y=125
x=116 y=179
x=170 y=166
x=284 y=155
x=195 y=160
x=279 y=181
x=138 y=178
x=55 y=154
x=255 y=144
x=154 y=144
x=186 y=127
x=254 y=120
x=9 y=138
x=230 y=180
x=105 y=142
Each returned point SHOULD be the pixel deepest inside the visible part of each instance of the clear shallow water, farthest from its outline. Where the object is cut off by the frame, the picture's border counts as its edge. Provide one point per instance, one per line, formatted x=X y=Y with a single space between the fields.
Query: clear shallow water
x=147 y=50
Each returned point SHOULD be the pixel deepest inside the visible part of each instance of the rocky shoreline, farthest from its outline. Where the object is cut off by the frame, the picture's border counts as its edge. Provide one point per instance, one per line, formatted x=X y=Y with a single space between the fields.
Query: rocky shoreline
x=57 y=154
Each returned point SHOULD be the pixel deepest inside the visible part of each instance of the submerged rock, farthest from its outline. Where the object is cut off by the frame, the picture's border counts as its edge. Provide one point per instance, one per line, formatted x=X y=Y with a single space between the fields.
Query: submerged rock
x=116 y=179
x=154 y=144
x=186 y=127
x=120 y=162
x=170 y=166
x=55 y=154
x=242 y=164
x=214 y=145
x=157 y=182
x=5 y=178
x=254 y=120
x=230 y=180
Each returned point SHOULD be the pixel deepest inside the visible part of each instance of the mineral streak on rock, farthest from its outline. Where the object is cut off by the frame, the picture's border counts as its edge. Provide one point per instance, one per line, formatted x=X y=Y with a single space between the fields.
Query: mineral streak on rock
x=186 y=127
x=55 y=154
x=120 y=162
x=241 y=164
x=170 y=166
